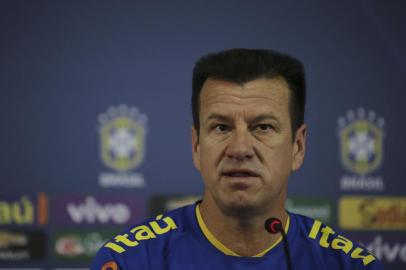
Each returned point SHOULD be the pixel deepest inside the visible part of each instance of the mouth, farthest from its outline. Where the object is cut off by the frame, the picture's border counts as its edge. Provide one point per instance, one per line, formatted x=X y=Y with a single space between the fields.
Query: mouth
x=239 y=173
x=240 y=179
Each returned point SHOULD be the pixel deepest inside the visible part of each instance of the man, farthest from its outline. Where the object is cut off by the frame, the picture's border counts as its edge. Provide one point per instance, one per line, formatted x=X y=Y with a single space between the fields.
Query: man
x=248 y=137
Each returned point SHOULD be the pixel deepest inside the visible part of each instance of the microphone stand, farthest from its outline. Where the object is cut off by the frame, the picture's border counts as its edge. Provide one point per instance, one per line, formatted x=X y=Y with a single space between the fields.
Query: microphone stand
x=286 y=247
x=274 y=225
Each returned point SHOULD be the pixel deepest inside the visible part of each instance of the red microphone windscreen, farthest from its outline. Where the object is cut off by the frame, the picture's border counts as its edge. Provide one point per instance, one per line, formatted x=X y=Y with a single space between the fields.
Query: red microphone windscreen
x=273 y=225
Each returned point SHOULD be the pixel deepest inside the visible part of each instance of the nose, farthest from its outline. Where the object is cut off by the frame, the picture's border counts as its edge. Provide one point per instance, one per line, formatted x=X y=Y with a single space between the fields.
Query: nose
x=240 y=146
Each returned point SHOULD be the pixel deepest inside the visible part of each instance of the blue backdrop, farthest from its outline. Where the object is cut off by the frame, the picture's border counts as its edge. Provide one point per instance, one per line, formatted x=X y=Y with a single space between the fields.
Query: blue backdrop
x=95 y=116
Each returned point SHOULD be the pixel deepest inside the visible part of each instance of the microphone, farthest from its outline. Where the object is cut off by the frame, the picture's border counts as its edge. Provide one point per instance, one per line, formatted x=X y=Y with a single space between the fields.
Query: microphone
x=274 y=225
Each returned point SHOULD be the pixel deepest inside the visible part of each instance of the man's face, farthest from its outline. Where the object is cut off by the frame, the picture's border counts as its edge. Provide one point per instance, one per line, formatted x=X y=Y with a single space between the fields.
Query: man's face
x=244 y=150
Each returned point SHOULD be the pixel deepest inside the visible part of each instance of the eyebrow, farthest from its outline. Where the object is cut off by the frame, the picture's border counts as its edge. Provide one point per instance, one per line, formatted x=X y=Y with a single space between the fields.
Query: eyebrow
x=216 y=116
x=256 y=119
x=263 y=117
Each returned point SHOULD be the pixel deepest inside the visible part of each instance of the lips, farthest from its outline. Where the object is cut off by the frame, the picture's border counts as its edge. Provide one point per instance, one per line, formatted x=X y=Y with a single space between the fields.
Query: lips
x=239 y=173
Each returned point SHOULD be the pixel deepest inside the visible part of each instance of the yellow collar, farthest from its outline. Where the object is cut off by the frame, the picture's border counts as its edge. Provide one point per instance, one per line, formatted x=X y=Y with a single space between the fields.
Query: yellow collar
x=216 y=243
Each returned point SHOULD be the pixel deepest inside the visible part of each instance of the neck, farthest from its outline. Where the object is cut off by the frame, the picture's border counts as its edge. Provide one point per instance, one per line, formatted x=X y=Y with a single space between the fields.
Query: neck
x=242 y=234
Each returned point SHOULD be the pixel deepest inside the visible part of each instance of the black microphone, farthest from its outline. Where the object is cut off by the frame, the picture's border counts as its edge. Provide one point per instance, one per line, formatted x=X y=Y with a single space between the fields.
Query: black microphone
x=274 y=225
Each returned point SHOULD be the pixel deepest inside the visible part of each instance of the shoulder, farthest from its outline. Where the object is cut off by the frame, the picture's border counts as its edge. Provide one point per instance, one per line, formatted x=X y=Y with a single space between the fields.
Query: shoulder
x=139 y=242
x=332 y=247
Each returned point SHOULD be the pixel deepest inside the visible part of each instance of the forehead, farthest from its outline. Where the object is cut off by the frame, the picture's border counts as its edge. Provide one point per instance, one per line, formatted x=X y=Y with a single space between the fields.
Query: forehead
x=260 y=95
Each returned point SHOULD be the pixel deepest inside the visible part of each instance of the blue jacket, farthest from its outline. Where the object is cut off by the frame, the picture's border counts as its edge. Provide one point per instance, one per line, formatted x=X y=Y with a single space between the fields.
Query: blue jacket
x=179 y=240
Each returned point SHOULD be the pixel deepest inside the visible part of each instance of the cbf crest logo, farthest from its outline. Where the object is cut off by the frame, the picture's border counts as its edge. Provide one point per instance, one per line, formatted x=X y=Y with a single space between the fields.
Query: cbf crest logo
x=122 y=143
x=361 y=135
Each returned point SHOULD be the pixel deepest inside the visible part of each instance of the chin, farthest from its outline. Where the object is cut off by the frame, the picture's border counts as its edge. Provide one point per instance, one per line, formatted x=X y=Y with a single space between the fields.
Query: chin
x=240 y=206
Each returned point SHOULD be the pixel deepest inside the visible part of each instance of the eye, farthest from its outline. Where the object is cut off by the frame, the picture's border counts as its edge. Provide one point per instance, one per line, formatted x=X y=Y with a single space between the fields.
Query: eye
x=264 y=128
x=221 y=128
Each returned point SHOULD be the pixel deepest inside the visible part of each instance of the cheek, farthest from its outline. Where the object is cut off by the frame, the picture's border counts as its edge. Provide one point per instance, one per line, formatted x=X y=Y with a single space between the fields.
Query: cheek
x=210 y=157
x=278 y=159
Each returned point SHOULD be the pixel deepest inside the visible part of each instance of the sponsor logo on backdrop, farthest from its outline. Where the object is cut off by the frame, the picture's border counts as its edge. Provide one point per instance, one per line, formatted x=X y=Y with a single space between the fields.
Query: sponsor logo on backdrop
x=79 y=244
x=70 y=269
x=317 y=208
x=94 y=210
x=16 y=245
x=122 y=146
x=372 y=213
x=361 y=136
x=390 y=247
x=24 y=209
x=159 y=204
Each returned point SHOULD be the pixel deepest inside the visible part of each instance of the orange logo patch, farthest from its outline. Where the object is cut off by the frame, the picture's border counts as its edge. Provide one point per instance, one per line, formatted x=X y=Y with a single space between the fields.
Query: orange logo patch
x=111 y=265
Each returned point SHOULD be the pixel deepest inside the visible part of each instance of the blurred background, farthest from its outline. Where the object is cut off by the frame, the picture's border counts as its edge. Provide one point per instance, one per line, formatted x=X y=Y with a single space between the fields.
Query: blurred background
x=95 y=116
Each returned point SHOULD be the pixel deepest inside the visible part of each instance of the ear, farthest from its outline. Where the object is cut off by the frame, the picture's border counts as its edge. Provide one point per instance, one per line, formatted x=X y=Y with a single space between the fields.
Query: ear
x=195 y=148
x=299 y=147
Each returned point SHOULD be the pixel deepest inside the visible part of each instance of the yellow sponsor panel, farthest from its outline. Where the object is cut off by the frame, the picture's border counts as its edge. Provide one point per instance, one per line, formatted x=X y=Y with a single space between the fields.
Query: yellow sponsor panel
x=372 y=213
